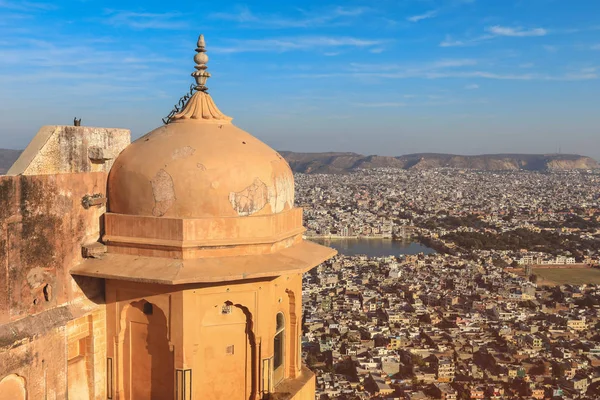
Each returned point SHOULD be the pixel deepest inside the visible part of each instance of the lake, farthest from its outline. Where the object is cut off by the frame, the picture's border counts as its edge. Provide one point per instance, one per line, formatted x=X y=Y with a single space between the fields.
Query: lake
x=374 y=247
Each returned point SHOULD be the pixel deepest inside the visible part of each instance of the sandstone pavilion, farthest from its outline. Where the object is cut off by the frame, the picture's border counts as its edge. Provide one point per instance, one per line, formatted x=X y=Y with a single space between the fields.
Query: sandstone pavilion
x=200 y=260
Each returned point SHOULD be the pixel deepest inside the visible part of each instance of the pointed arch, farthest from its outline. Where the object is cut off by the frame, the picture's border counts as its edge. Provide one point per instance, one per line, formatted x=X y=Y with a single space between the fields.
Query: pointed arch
x=13 y=387
x=249 y=330
x=144 y=330
x=294 y=341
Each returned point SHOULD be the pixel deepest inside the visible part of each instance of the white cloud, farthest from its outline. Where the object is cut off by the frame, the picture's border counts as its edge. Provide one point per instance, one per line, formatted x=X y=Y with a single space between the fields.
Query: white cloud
x=427 y=15
x=29 y=6
x=412 y=70
x=425 y=73
x=516 y=32
x=472 y=86
x=454 y=63
x=550 y=48
x=295 y=43
x=493 y=32
x=449 y=42
x=246 y=17
x=145 y=20
x=379 y=105
x=75 y=67
x=595 y=46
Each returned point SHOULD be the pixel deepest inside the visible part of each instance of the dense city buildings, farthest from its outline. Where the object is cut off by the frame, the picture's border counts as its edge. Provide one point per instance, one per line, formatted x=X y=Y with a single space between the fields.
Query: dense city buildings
x=183 y=266
x=507 y=307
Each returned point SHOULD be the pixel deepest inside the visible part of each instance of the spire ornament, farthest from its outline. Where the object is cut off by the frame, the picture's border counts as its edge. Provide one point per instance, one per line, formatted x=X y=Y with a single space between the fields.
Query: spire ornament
x=201 y=74
x=197 y=104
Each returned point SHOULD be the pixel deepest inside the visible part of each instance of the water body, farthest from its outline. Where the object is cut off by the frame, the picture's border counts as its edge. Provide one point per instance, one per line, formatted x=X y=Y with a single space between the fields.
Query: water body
x=374 y=247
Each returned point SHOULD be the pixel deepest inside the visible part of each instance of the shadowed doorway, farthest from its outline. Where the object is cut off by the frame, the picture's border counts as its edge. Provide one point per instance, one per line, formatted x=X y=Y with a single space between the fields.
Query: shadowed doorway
x=149 y=368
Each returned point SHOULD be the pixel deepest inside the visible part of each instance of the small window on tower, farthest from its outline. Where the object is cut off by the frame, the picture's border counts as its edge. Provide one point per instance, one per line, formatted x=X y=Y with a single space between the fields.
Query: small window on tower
x=279 y=344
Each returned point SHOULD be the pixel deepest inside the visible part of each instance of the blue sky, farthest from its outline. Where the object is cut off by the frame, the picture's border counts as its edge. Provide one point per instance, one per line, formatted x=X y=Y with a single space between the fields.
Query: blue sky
x=377 y=77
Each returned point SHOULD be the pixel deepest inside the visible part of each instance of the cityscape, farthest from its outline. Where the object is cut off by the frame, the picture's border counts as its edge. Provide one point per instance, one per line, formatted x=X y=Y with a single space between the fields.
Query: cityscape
x=300 y=200
x=506 y=307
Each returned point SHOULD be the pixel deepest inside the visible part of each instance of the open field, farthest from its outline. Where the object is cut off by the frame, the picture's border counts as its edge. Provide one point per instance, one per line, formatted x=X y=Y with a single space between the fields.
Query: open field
x=561 y=276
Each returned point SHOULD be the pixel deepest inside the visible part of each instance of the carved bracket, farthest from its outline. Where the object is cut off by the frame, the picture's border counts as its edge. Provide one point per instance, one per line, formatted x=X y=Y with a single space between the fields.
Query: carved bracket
x=90 y=200
x=100 y=154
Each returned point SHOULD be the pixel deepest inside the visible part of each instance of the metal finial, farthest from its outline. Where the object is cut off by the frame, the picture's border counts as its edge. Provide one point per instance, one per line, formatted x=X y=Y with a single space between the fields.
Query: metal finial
x=200 y=74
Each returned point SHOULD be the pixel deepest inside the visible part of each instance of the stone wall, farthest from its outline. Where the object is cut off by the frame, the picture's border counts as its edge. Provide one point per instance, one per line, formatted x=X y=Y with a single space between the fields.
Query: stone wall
x=58 y=149
x=43 y=225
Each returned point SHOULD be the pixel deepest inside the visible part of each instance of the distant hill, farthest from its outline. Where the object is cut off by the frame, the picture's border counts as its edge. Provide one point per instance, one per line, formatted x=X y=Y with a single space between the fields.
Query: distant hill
x=335 y=163
x=339 y=163
x=7 y=158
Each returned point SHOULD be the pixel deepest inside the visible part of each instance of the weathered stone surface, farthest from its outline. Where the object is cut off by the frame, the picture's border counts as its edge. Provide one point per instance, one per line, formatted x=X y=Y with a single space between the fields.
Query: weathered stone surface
x=198 y=169
x=31 y=327
x=41 y=362
x=100 y=154
x=58 y=149
x=42 y=228
x=93 y=250
x=163 y=191
x=250 y=200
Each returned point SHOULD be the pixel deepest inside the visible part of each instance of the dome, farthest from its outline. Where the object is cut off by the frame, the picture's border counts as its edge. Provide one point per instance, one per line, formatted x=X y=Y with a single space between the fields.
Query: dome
x=195 y=168
x=199 y=165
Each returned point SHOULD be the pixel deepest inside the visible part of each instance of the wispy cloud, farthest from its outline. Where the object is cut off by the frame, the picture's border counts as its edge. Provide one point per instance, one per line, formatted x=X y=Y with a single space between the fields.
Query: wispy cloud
x=414 y=68
x=492 y=33
x=295 y=43
x=595 y=47
x=472 y=86
x=420 y=17
x=450 y=42
x=145 y=20
x=418 y=101
x=550 y=48
x=380 y=105
x=451 y=69
x=28 y=6
x=48 y=54
x=59 y=64
x=245 y=17
x=498 y=30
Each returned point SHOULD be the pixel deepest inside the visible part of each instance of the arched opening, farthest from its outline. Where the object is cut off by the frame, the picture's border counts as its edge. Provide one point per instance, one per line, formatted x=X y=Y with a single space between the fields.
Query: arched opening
x=148 y=360
x=279 y=349
x=12 y=387
x=227 y=360
x=295 y=348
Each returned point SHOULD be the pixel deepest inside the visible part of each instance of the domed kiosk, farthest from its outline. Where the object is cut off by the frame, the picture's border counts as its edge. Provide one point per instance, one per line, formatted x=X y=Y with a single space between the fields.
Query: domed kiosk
x=204 y=262
x=200 y=165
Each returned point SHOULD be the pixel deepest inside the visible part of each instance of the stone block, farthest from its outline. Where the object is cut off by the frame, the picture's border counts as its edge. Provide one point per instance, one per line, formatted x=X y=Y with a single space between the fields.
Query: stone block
x=100 y=154
x=93 y=250
x=58 y=149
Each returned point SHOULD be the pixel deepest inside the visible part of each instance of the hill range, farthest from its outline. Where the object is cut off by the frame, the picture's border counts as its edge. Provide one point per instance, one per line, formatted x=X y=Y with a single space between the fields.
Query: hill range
x=335 y=163
x=339 y=163
x=7 y=158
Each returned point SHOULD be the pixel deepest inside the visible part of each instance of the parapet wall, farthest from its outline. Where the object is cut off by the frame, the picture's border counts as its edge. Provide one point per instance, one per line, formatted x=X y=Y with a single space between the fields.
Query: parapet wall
x=43 y=225
x=58 y=149
x=52 y=201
